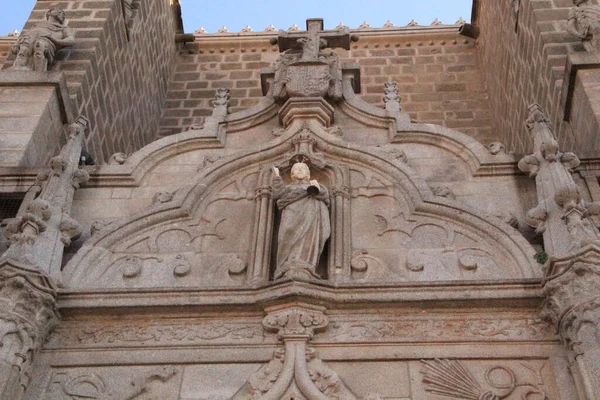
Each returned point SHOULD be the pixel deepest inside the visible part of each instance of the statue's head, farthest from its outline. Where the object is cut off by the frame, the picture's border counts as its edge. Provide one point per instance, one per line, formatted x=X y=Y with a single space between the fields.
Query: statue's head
x=300 y=172
x=56 y=13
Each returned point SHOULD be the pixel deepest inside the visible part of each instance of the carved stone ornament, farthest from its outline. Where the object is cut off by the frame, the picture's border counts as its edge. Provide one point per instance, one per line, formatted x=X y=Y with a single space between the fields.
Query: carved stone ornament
x=36 y=48
x=304 y=225
x=304 y=70
x=27 y=313
x=295 y=372
x=561 y=215
x=392 y=98
x=117 y=159
x=496 y=148
x=151 y=384
x=38 y=237
x=212 y=212
x=450 y=378
x=573 y=305
x=584 y=22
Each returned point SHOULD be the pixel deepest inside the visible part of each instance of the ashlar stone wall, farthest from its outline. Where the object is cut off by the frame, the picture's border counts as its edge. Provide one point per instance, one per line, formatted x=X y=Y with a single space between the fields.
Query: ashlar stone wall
x=118 y=83
x=523 y=56
x=436 y=69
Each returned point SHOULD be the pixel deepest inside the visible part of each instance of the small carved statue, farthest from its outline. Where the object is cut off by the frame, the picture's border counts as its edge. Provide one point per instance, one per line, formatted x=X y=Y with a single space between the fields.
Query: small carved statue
x=584 y=22
x=304 y=226
x=37 y=47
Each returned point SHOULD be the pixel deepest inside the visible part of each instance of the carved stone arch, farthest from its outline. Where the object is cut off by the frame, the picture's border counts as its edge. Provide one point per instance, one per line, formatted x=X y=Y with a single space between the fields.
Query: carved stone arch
x=333 y=155
x=478 y=159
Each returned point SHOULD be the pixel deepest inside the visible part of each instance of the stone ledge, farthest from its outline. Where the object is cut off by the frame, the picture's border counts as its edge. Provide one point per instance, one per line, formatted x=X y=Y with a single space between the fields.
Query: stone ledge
x=9 y=78
x=508 y=293
x=575 y=62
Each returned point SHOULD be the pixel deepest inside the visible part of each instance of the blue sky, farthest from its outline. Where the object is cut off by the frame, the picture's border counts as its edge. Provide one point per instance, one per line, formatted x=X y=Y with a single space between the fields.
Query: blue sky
x=236 y=14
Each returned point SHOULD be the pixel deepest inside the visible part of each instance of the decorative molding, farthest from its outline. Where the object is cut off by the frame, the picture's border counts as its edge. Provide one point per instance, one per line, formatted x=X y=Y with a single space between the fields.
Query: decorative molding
x=192 y=333
x=393 y=329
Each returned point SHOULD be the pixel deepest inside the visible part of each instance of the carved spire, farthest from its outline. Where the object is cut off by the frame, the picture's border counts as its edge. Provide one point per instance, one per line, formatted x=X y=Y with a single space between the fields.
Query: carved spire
x=561 y=215
x=27 y=293
x=571 y=239
x=49 y=212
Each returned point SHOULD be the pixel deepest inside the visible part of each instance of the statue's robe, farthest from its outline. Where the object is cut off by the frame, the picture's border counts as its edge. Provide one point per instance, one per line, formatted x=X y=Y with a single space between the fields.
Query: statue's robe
x=304 y=227
x=584 y=21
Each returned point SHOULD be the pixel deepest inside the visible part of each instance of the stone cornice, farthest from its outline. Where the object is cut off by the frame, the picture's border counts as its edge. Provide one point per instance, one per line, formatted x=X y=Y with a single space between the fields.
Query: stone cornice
x=510 y=293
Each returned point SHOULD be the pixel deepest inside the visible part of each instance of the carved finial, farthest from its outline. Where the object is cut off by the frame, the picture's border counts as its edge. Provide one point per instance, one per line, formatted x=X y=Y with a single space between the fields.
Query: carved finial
x=270 y=28
x=223 y=30
x=536 y=114
x=436 y=22
x=460 y=21
x=200 y=31
x=340 y=26
x=36 y=48
x=391 y=98
x=413 y=23
x=364 y=25
x=388 y=24
x=14 y=33
x=247 y=29
x=221 y=101
x=294 y=28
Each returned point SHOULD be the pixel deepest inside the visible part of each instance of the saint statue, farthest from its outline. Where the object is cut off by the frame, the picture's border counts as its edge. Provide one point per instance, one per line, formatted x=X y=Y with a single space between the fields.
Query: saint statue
x=304 y=227
x=41 y=42
x=584 y=22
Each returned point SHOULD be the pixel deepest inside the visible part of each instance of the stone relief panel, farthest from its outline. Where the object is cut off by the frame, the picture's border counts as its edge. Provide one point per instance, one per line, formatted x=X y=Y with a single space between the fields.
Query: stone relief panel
x=468 y=379
x=114 y=383
x=427 y=379
x=209 y=248
x=392 y=243
x=143 y=334
x=378 y=327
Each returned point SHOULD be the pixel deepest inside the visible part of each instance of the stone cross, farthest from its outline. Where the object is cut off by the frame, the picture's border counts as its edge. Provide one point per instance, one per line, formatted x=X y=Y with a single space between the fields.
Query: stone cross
x=314 y=39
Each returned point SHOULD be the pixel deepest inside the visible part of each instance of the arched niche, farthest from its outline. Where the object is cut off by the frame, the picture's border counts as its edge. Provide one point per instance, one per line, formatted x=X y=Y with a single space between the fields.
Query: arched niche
x=386 y=226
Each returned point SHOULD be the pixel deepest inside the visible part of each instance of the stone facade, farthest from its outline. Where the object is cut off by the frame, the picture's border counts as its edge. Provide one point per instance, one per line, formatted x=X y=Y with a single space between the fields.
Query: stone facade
x=375 y=213
x=437 y=72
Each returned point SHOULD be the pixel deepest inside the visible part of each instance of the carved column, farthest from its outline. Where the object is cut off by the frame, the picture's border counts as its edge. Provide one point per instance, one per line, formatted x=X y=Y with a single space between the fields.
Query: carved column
x=572 y=282
x=27 y=291
x=263 y=229
x=572 y=288
x=339 y=245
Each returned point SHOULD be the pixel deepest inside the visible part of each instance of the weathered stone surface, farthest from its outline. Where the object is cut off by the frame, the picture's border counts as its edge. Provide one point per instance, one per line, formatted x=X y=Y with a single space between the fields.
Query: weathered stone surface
x=188 y=276
x=36 y=48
